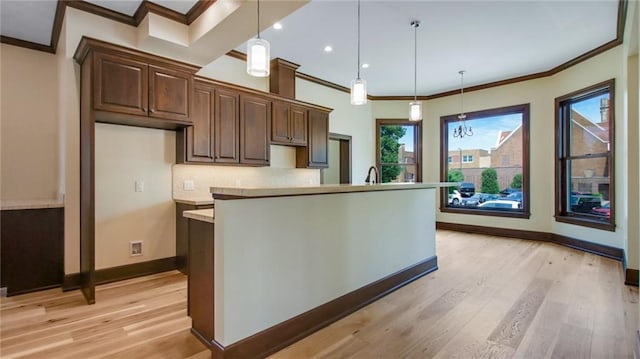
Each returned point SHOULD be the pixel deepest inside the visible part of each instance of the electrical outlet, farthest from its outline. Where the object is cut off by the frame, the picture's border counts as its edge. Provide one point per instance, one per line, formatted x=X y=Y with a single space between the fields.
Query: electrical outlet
x=188 y=185
x=139 y=186
x=3 y=292
x=135 y=248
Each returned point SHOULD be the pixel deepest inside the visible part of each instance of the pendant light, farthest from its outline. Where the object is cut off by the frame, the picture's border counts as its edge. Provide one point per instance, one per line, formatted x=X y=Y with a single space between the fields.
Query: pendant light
x=462 y=129
x=415 y=106
x=258 y=54
x=358 y=86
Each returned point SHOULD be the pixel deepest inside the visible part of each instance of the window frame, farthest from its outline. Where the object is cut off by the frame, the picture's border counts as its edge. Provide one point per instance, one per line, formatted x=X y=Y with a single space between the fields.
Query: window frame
x=526 y=158
x=562 y=151
x=417 y=134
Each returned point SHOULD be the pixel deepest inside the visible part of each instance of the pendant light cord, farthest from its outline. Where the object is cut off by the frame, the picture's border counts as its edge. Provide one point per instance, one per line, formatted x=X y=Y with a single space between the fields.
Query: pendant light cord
x=358 y=40
x=415 y=59
x=258 y=19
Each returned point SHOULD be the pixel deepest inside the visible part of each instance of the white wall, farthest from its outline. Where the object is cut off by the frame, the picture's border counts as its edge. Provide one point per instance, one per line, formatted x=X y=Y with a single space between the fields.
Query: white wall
x=52 y=169
x=540 y=93
x=126 y=155
x=30 y=141
x=601 y=68
x=281 y=172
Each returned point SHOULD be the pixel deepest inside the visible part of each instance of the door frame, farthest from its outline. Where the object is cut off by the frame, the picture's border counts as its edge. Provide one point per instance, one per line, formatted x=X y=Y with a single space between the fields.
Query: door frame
x=345 y=156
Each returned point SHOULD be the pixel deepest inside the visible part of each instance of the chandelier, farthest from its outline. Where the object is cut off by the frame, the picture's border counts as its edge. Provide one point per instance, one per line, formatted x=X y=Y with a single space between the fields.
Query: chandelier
x=462 y=130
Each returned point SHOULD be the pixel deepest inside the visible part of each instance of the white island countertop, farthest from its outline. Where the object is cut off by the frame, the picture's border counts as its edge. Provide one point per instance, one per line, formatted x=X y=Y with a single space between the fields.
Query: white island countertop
x=194 y=201
x=253 y=192
x=204 y=215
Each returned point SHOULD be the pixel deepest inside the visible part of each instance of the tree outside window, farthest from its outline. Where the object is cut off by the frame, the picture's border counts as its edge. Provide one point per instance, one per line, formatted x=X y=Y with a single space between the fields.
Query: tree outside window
x=398 y=150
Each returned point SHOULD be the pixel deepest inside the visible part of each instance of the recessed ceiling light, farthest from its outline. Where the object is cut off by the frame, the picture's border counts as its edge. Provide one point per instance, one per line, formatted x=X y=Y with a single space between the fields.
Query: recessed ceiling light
x=328 y=48
x=277 y=26
x=365 y=66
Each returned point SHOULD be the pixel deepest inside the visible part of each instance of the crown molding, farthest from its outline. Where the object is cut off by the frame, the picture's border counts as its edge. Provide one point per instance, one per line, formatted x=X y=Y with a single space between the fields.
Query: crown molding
x=202 y=5
x=145 y=7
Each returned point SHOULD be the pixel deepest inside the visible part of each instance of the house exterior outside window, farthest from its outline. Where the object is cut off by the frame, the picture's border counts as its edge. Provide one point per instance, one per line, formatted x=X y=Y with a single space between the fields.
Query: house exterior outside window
x=495 y=160
x=585 y=157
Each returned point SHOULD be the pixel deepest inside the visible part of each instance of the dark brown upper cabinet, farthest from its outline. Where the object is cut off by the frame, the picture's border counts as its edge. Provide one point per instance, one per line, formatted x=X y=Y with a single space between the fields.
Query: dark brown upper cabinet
x=127 y=86
x=316 y=153
x=169 y=94
x=226 y=126
x=133 y=88
x=120 y=85
x=289 y=124
x=255 y=121
x=229 y=127
x=199 y=137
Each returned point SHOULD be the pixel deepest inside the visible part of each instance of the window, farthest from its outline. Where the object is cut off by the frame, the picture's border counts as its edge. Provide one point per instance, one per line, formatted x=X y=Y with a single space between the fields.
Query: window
x=492 y=165
x=584 y=157
x=398 y=150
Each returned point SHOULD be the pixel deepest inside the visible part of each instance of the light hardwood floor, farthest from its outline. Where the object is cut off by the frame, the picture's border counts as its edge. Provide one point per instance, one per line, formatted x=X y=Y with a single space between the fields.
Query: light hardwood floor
x=491 y=298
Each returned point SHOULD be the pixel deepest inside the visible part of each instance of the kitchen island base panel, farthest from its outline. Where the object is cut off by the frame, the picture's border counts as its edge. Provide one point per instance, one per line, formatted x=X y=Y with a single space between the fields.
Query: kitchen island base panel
x=276 y=258
x=280 y=336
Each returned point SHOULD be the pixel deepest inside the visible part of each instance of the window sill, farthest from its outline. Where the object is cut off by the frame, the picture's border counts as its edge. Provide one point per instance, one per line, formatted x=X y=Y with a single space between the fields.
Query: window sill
x=492 y=213
x=586 y=222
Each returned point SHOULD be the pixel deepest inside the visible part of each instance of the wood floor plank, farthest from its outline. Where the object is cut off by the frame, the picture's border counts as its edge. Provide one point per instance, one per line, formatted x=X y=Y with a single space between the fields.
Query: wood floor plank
x=491 y=298
x=573 y=342
x=543 y=333
x=515 y=323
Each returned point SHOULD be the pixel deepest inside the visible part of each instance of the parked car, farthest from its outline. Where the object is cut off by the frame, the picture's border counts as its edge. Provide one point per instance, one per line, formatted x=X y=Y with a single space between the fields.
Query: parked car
x=584 y=203
x=478 y=198
x=455 y=199
x=604 y=211
x=467 y=189
x=501 y=203
x=507 y=191
x=515 y=196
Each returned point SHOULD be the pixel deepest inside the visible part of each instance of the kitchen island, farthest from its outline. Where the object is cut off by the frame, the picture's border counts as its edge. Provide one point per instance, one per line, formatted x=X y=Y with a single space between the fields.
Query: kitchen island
x=276 y=264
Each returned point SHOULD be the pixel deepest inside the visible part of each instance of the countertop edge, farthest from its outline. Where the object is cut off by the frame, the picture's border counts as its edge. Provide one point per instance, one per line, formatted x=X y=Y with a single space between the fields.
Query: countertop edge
x=261 y=192
x=194 y=202
x=204 y=215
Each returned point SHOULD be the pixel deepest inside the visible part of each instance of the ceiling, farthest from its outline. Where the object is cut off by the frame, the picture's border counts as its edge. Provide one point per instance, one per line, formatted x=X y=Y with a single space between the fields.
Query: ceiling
x=491 y=40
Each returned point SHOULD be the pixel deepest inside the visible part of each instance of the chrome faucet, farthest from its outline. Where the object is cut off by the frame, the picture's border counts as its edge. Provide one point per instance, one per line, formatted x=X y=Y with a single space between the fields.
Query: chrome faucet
x=368 y=180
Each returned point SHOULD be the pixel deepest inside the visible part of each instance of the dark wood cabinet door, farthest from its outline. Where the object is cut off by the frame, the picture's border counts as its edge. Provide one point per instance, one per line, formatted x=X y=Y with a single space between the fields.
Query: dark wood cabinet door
x=316 y=153
x=280 y=132
x=169 y=94
x=226 y=126
x=200 y=136
x=120 y=85
x=255 y=122
x=298 y=125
